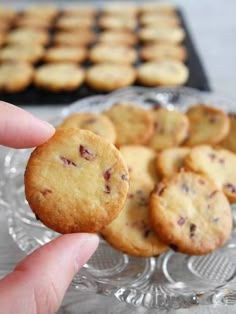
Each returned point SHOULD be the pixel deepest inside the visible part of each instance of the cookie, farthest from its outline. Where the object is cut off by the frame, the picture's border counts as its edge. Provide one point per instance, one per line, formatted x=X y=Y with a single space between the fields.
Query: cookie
x=140 y=161
x=162 y=73
x=2 y=38
x=216 y=164
x=174 y=35
x=133 y=124
x=32 y=22
x=208 y=125
x=159 y=20
x=59 y=77
x=97 y=123
x=15 y=76
x=131 y=232
x=66 y=23
x=110 y=53
x=170 y=161
x=76 y=182
x=108 y=77
x=190 y=214
x=79 y=10
x=163 y=51
x=120 y=9
x=46 y=12
x=161 y=8
x=7 y=13
x=170 y=129
x=229 y=141
x=4 y=25
x=65 y=54
x=118 y=37
x=27 y=36
x=117 y=23
x=26 y=53
x=72 y=39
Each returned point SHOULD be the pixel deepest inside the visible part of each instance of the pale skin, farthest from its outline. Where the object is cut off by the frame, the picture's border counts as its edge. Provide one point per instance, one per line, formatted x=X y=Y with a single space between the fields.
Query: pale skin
x=39 y=282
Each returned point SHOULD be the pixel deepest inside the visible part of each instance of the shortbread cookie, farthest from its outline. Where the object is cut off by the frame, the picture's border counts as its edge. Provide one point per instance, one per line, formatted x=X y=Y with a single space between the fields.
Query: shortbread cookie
x=72 y=39
x=190 y=214
x=165 y=72
x=163 y=51
x=158 y=7
x=174 y=35
x=159 y=20
x=66 y=23
x=219 y=165
x=118 y=37
x=111 y=53
x=59 y=77
x=120 y=9
x=140 y=161
x=131 y=232
x=133 y=124
x=97 y=123
x=108 y=77
x=76 y=182
x=230 y=140
x=170 y=161
x=117 y=23
x=65 y=54
x=18 y=52
x=46 y=12
x=208 y=125
x=32 y=22
x=170 y=128
x=79 y=10
x=27 y=36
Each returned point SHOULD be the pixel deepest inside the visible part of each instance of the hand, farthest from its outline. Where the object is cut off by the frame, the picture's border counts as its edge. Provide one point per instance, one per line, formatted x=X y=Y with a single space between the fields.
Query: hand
x=39 y=282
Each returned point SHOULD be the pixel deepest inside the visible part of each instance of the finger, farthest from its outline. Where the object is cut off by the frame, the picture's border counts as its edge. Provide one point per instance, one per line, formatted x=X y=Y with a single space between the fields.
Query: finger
x=39 y=282
x=20 y=129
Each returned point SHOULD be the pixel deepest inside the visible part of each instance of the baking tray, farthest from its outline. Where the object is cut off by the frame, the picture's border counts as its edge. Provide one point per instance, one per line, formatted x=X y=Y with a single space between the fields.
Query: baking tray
x=35 y=96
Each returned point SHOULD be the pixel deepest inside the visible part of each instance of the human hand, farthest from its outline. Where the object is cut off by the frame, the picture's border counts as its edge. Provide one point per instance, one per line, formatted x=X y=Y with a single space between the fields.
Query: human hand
x=39 y=282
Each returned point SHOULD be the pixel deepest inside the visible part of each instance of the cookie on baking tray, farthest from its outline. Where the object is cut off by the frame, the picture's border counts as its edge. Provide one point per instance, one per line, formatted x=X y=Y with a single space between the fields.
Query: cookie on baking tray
x=117 y=23
x=171 y=160
x=208 y=125
x=158 y=7
x=26 y=21
x=174 y=35
x=46 y=12
x=108 y=77
x=159 y=20
x=163 y=72
x=112 y=53
x=2 y=38
x=97 y=123
x=133 y=124
x=76 y=181
x=7 y=13
x=59 y=77
x=74 y=38
x=26 y=53
x=131 y=232
x=15 y=76
x=170 y=128
x=189 y=213
x=27 y=36
x=68 y=23
x=65 y=54
x=229 y=142
x=219 y=165
x=162 y=51
x=120 y=9
x=79 y=10
x=118 y=37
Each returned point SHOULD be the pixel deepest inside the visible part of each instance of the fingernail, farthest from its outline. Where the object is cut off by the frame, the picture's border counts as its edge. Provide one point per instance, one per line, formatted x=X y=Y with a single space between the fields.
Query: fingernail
x=87 y=246
x=47 y=126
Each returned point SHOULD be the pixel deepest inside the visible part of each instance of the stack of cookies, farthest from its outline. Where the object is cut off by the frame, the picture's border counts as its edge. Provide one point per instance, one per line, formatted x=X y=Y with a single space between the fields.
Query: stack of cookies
x=108 y=48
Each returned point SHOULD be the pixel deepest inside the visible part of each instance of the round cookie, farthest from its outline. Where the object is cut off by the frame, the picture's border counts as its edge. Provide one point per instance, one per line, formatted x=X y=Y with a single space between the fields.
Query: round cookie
x=174 y=35
x=119 y=9
x=219 y=165
x=163 y=73
x=108 y=77
x=4 y=26
x=68 y=23
x=25 y=53
x=76 y=182
x=170 y=161
x=72 y=39
x=7 y=13
x=118 y=37
x=170 y=128
x=46 y=12
x=117 y=54
x=32 y=22
x=159 y=20
x=27 y=36
x=117 y=23
x=229 y=141
x=190 y=214
x=208 y=125
x=15 y=76
x=59 y=77
x=157 y=7
x=140 y=161
x=162 y=51
x=83 y=10
x=133 y=124
x=131 y=232
x=65 y=54
x=97 y=123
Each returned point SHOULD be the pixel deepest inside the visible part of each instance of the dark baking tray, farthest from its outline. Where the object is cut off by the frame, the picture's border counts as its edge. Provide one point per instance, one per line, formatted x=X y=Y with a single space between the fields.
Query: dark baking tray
x=34 y=96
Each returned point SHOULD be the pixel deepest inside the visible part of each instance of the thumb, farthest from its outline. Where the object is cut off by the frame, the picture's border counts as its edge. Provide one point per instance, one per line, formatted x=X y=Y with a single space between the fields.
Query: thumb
x=39 y=282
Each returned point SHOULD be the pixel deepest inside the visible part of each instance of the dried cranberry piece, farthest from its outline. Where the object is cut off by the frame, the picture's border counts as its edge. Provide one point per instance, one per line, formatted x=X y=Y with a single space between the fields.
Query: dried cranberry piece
x=67 y=162
x=230 y=187
x=107 y=189
x=107 y=174
x=86 y=153
x=181 y=221
x=91 y=120
x=192 y=230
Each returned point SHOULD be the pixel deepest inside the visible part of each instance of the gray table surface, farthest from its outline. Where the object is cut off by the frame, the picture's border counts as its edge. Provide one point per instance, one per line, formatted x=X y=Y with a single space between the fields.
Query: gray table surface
x=213 y=27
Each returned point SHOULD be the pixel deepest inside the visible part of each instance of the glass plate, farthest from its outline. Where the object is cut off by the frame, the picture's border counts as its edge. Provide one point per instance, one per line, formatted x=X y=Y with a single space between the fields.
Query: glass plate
x=170 y=281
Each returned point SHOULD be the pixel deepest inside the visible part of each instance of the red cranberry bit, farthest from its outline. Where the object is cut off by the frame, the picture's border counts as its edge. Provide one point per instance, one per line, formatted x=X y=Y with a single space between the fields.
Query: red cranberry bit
x=130 y=195
x=230 y=187
x=181 y=221
x=86 y=153
x=67 y=162
x=45 y=192
x=212 y=194
x=91 y=120
x=107 y=174
x=107 y=189
x=192 y=230
x=221 y=161
x=124 y=177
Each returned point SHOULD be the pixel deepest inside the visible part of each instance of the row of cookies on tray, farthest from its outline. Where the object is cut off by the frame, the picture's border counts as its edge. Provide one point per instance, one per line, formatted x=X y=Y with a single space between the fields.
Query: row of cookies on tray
x=188 y=210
